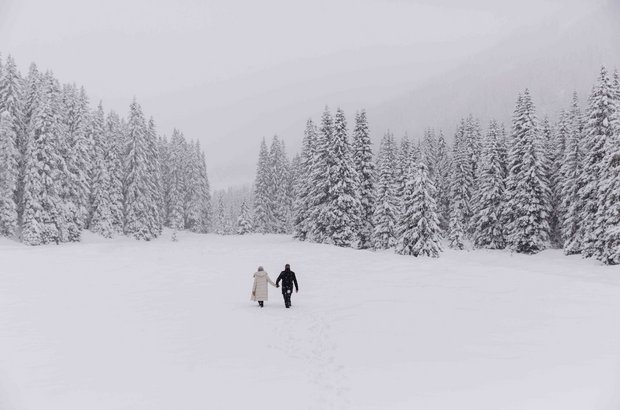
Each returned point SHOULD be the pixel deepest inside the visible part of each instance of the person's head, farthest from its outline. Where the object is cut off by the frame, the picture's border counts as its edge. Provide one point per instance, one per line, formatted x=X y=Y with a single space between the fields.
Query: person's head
x=260 y=269
x=287 y=267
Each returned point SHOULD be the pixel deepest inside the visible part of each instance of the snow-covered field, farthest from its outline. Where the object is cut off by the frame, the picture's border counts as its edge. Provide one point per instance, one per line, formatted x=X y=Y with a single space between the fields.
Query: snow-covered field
x=120 y=324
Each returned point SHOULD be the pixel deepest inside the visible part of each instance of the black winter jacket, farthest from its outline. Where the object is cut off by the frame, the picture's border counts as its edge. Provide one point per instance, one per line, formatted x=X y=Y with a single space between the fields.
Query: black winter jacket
x=288 y=279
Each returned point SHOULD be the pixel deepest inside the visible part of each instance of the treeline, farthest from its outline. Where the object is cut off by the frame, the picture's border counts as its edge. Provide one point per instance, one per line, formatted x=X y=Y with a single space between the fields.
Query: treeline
x=65 y=167
x=543 y=184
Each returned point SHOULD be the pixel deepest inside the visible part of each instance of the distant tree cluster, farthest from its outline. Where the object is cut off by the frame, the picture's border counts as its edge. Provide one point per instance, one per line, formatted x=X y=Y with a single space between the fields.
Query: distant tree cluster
x=542 y=185
x=233 y=211
x=273 y=189
x=65 y=167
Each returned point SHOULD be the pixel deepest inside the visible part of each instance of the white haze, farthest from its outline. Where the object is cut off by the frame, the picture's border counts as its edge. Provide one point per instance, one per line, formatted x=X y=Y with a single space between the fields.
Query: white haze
x=230 y=73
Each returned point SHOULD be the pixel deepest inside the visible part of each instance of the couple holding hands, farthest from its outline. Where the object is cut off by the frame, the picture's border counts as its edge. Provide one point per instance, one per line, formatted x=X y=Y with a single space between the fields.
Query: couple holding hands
x=261 y=279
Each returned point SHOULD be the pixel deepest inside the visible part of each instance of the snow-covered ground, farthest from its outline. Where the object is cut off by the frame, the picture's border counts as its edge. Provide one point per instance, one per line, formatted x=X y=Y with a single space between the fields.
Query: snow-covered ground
x=120 y=324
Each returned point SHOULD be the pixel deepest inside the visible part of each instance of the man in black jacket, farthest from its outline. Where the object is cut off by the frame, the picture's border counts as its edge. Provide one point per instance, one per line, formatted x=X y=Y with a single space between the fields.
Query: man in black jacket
x=287 y=276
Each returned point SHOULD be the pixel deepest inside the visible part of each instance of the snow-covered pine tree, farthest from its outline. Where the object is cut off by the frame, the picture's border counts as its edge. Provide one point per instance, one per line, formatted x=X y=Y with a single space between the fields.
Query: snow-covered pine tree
x=562 y=136
x=114 y=159
x=342 y=209
x=155 y=191
x=429 y=152
x=205 y=195
x=164 y=168
x=488 y=230
x=137 y=199
x=601 y=117
x=365 y=169
x=262 y=193
x=473 y=145
x=442 y=182
x=318 y=179
x=220 y=216
x=280 y=199
x=8 y=176
x=176 y=192
x=32 y=92
x=384 y=216
x=403 y=162
x=244 y=226
x=608 y=216
x=301 y=205
x=101 y=221
x=571 y=176
x=77 y=150
x=11 y=103
x=187 y=173
x=527 y=206
x=553 y=149
x=43 y=214
x=460 y=190
x=418 y=227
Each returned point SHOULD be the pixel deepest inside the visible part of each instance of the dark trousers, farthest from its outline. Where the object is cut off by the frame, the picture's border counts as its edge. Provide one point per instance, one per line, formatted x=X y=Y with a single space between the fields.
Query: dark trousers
x=286 y=293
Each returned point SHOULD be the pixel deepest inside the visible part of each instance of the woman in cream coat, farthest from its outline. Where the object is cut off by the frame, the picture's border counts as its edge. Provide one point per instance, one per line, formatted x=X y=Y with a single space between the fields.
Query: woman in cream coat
x=259 y=290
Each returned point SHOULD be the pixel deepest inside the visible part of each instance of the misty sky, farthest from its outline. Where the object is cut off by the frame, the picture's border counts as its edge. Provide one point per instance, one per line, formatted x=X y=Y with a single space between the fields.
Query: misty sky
x=232 y=72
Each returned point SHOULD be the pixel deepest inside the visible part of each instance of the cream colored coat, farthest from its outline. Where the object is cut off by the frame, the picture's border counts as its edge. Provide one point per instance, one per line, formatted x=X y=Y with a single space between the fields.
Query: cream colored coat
x=259 y=290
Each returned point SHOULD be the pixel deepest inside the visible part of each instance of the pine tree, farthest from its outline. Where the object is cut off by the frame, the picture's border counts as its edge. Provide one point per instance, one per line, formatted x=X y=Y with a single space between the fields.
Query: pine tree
x=137 y=198
x=473 y=145
x=553 y=149
x=176 y=192
x=562 y=137
x=101 y=219
x=571 y=171
x=460 y=190
x=190 y=180
x=220 y=217
x=8 y=176
x=419 y=233
x=384 y=217
x=43 y=214
x=205 y=195
x=262 y=189
x=280 y=195
x=601 y=117
x=608 y=217
x=114 y=159
x=11 y=103
x=301 y=206
x=429 y=152
x=488 y=229
x=155 y=191
x=404 y=161
x=243 y=222
x=442 y=182
x=77 y=149
x=319 y=182
x=365 y=169
x=342 y=209
x=527 y=205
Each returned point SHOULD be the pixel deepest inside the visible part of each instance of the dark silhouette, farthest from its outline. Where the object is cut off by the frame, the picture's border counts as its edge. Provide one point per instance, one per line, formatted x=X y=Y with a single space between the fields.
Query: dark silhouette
x=287 y=276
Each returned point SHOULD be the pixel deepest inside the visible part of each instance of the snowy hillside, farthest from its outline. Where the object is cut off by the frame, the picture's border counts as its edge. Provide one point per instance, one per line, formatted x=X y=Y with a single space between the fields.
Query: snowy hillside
x=120 y=324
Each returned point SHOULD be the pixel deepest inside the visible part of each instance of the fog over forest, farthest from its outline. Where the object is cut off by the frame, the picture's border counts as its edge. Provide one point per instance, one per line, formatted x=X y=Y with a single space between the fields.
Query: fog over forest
x=231 y=74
